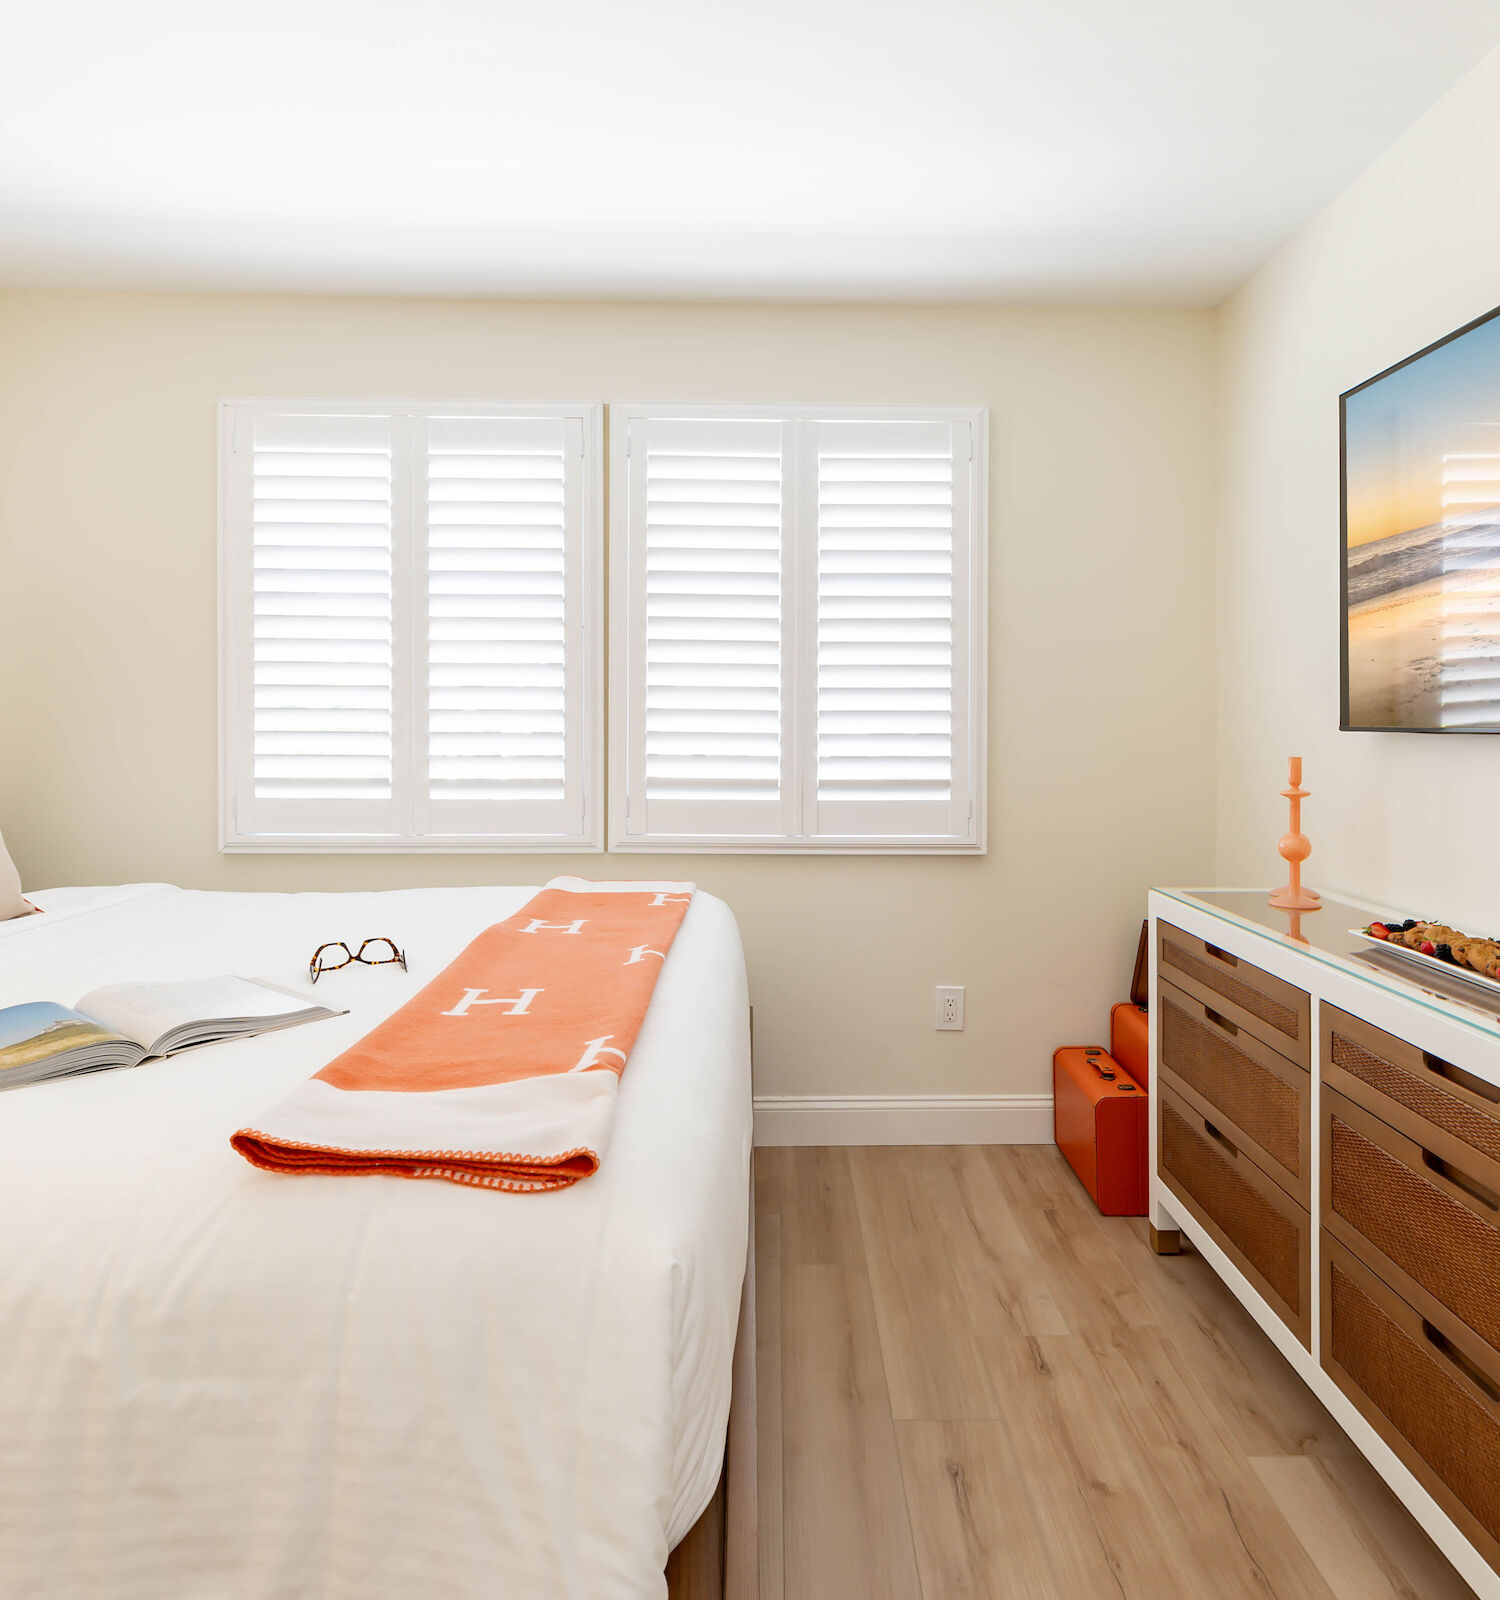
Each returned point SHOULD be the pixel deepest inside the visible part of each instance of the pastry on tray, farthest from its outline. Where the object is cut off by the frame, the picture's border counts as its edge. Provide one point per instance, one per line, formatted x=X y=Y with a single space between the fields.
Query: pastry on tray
x=1447 y=944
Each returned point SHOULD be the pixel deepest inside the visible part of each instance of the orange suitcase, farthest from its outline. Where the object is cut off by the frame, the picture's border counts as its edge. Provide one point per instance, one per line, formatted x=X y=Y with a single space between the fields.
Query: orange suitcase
x=1099 y=1120
x=1129 y=1041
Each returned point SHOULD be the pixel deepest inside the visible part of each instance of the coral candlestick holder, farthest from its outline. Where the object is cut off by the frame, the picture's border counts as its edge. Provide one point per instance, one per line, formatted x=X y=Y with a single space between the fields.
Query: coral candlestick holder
x=1295 y=847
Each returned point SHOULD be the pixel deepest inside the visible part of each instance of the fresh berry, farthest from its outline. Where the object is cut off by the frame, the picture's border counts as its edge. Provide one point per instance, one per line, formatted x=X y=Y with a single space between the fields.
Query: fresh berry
x=1427 y=947
x=1378 y=930
x=1444 y=952
x=1408 y=925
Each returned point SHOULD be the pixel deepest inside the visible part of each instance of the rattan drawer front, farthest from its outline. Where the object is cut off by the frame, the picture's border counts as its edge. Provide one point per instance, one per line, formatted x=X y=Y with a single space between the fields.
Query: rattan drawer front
x=1261 y=1004
x=1253 y=1093
x=1433 y=1406
x=1442 y=1107
x=1427 y=1228
x=1249 y=1216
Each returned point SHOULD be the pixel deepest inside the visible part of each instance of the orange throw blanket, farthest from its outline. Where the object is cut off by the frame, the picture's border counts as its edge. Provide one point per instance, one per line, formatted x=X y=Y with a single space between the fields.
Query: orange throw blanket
x=504 y=1071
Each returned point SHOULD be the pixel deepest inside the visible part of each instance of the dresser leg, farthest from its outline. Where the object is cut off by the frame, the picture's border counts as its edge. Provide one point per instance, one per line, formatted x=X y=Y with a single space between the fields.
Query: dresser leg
x=1166 y=1241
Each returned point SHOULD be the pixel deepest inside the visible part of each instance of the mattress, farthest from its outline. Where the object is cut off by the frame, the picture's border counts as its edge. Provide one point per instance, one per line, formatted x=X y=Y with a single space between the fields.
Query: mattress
x=218 y=1383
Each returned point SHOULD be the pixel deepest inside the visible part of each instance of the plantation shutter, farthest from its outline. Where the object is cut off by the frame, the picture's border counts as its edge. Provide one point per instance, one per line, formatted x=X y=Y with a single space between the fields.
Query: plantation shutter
x=796 y=634
x=321 y=741
x=503 y=520
x=407 y=650
x=892 y=617
x=706 y=567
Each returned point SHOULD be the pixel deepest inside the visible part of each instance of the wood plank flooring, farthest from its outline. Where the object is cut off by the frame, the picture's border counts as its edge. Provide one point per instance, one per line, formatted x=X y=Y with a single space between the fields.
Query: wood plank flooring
x=973 y=1387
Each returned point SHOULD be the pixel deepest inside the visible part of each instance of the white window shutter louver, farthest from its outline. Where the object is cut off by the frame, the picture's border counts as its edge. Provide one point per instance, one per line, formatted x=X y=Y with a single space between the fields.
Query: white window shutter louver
x=706 y=657
x=797 y=634
x=407 y=603
x=322 y=625
x=890 y=627
x=499 y=511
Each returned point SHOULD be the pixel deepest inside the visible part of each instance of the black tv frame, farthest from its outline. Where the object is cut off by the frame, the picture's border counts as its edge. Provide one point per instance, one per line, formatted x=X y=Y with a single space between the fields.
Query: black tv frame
x=1345 y=726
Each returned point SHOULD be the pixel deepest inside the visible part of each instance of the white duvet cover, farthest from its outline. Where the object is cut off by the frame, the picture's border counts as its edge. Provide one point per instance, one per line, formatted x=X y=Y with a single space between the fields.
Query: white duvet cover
x=218 y=1383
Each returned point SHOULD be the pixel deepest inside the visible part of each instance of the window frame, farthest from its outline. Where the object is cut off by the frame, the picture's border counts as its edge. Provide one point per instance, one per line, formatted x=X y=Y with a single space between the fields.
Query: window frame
x=233 y=615
x=798 y=495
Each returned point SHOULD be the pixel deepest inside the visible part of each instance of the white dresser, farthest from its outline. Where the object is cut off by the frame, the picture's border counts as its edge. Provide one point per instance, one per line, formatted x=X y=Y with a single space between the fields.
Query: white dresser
x=1325 y=1129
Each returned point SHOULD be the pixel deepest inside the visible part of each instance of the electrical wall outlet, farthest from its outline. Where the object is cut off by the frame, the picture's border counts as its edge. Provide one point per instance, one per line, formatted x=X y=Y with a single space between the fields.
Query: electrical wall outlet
x=950 y=1008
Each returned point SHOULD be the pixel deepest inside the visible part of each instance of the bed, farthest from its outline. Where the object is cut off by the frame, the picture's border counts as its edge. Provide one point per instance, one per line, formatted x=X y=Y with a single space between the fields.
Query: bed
x=218 y=1383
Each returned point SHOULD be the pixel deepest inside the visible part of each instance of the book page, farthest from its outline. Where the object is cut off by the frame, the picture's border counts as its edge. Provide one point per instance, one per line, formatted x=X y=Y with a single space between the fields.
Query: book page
x=33 y=1035
x=147 y=1011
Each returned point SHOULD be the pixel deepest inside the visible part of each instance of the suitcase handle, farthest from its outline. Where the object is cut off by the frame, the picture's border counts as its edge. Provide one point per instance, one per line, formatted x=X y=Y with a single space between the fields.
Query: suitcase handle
x=1450 y=1352
x=1092 y=1057
x=1221 y=1021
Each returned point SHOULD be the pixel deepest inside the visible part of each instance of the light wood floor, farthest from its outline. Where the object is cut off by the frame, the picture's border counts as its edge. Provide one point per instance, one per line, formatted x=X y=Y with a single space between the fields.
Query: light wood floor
x=973 y=1386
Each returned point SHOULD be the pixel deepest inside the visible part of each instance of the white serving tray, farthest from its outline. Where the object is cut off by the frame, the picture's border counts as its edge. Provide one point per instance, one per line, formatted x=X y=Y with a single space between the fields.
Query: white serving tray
x=1452 y=968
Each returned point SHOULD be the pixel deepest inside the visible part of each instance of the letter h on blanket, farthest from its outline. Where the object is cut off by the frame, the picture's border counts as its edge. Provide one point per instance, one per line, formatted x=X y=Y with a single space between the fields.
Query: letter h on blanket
x=518 y=1003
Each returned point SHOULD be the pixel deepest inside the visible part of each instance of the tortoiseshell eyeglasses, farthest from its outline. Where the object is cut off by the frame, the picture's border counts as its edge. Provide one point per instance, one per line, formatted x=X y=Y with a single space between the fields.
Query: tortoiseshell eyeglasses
x=384 y=954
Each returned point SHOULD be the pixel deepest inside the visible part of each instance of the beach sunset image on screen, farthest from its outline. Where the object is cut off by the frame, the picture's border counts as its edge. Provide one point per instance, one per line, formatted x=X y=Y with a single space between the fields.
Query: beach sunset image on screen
x=1422 y=540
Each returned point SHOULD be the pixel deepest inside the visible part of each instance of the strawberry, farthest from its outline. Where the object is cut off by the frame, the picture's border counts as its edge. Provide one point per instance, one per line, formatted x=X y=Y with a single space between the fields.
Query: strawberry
x=1378 y=930
x=1427 y=947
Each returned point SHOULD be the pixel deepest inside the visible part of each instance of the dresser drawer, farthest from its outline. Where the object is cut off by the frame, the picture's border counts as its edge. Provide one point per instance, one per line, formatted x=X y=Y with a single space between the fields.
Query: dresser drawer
x=1446 y=1110
x=1249 y=1216
x=1434 y=1406
x=1273 y=1011
x=1250 y=1091
x=1427 y=1227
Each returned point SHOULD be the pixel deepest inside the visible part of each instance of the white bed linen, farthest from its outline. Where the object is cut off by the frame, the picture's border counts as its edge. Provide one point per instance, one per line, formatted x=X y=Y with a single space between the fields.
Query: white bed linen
x=218 y=1383
x=59 y=904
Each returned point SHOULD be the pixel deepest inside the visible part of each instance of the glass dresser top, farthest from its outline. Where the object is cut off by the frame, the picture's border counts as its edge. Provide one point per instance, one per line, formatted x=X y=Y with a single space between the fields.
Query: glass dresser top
x=1324 y=935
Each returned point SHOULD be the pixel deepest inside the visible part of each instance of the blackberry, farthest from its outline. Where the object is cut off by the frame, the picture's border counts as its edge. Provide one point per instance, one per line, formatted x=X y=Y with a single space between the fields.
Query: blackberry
x=1444 y=952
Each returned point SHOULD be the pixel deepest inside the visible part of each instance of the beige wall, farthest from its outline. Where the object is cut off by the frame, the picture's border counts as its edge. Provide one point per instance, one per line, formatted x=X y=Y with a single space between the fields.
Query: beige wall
x=1101 y=698
x=1408 y=253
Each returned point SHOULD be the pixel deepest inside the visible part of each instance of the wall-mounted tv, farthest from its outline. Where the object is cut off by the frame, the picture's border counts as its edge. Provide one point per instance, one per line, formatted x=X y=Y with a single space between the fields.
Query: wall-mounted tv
x=1420 y=493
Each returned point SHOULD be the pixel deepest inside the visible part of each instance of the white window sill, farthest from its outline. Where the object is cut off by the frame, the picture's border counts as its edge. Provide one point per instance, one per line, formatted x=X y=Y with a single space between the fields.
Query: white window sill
x=454 y=844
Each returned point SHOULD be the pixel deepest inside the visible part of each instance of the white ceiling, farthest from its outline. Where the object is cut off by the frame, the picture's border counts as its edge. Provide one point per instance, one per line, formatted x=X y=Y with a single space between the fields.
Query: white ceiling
x=1151 y=150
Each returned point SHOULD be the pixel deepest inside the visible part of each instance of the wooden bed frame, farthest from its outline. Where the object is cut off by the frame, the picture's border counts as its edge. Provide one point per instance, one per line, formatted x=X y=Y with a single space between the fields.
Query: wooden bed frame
x=717 y=1558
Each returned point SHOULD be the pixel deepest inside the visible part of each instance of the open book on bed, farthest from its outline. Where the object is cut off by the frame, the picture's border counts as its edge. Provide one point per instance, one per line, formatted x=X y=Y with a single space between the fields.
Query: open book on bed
x=124 y=1024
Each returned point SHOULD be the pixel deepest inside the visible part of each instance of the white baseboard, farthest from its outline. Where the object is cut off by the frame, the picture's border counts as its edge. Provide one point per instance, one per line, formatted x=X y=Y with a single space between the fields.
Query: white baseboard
x=903 y=1119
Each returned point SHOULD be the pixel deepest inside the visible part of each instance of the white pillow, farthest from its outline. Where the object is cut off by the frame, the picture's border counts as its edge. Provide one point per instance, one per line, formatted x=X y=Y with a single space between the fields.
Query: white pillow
x=11 y=903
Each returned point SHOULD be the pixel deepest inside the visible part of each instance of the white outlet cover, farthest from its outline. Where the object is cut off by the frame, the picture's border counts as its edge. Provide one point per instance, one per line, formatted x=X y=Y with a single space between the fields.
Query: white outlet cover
x=950 y=1008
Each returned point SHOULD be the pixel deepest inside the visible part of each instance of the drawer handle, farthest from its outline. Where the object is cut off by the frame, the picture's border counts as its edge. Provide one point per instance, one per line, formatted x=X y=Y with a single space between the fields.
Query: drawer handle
x=1460 y=1180
x=1465 y=1080
x=1221 y=1021
x=1222 y=955
x=1452 y=1354
x=1219 y=1138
